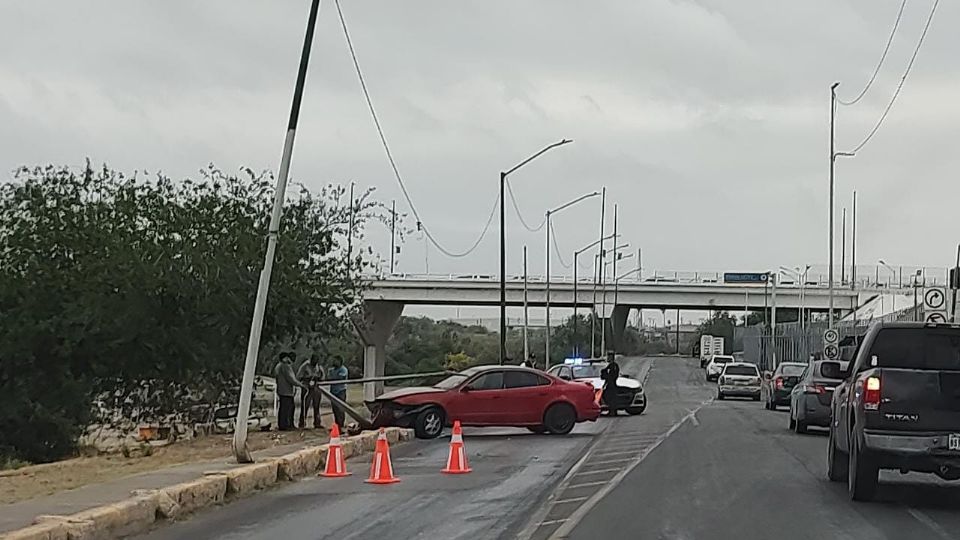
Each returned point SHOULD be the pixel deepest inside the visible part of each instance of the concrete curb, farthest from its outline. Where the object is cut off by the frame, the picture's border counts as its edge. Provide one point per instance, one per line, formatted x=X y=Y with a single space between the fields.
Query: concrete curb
x=138 y=513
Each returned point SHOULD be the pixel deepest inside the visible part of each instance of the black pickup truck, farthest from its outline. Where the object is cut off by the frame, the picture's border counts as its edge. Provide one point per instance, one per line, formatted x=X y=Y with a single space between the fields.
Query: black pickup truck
x=898 y=407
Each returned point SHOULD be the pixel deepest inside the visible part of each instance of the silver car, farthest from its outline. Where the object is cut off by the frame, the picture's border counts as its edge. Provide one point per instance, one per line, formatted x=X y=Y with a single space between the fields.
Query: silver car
x=739 y=379
x=810 y=399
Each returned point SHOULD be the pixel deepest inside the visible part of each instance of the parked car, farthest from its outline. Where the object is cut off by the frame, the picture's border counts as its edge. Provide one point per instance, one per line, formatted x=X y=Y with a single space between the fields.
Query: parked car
x=630 y=394
x=810 y=398
x=899 y=408
x=715 y=365
x=489 y=396
x=776 y=387
x=739 y=379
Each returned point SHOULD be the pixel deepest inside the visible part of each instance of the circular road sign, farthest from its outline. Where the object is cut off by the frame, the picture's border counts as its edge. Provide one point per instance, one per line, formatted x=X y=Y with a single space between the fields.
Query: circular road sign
x=933 y=298
x=936 y=317
x=831 y=336
x=832 y=352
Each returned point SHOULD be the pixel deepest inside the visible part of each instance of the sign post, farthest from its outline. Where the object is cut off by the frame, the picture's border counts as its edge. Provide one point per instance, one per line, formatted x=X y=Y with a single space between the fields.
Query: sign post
x=935 y=305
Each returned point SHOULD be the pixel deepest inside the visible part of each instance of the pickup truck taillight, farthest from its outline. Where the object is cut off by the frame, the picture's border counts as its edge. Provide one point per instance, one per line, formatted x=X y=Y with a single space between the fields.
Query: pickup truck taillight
x=871 y=393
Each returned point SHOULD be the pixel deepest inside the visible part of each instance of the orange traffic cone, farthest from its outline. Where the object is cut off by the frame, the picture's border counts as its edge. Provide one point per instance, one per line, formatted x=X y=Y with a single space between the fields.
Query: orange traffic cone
x=457 y=461
x=336 y=465
x=381 y=470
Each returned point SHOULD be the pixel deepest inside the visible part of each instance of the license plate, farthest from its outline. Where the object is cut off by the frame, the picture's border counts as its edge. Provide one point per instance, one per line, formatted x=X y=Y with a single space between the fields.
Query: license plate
x=953 y=441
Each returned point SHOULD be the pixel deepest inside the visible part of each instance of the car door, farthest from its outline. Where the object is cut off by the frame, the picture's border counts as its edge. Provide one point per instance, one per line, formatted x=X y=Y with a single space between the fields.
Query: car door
x=479 y=400
x=525 y=396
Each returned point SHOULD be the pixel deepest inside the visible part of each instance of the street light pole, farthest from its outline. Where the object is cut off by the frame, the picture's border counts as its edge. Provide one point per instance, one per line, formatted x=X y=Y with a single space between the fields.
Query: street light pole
x=603 y=303
x=833 y=160
x=393 y=233
x=503 y=264
x=576 y=304
x=240 y=450
x=596 y=275
x=526 y=316
x=548 y=226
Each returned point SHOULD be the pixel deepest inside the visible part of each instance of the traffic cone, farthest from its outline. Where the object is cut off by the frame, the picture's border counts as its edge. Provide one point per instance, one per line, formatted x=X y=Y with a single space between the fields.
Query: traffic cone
x=336 y=465
x=381 y=470
x=457 y=461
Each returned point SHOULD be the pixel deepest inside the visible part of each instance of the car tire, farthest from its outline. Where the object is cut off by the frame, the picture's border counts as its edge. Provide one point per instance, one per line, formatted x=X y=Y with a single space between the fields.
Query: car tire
x=720 y=395
x=429 y=423
x=634 y=411
x=756 y=397
x=560 y=418
x=800 y=427
x=862 y=473
x=793 y=423
x=836 y=460
x=540 y=430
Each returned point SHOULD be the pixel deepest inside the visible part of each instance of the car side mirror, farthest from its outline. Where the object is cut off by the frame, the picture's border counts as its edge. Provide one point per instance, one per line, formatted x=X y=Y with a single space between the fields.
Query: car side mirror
x=466 y=389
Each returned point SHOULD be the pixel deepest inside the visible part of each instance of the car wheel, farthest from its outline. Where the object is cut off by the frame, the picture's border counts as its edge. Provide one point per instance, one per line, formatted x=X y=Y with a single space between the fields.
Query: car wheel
x=720 y=395
x=756 y=397
x=560 y=418
x=541 y=429
x=637 y=410
x=800 y=426
x=862 y=473
x=429 y=423
x=793 y=423
x=836 y=461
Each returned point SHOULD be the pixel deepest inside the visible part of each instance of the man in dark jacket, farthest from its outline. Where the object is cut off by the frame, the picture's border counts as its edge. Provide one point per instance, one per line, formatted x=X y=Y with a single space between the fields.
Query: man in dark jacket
x=610 y=374
x=310 y=373
x=287 y=383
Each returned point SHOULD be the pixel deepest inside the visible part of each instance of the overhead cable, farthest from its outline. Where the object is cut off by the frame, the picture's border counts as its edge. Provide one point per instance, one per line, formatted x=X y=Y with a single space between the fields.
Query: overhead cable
x=883 y=57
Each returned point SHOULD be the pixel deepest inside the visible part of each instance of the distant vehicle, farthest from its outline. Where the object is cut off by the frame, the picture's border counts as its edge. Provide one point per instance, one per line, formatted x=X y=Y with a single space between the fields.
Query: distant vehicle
x=739 y=379
x=777 y=385
x=660 y=279
x=489 y=396
x=899 y=407
x=810 y=398
x=709 y=346
x=715 y=365
x=630 y=394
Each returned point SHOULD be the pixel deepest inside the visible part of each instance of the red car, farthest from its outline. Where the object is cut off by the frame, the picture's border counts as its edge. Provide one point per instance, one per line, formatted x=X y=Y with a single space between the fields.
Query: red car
x=489 y=396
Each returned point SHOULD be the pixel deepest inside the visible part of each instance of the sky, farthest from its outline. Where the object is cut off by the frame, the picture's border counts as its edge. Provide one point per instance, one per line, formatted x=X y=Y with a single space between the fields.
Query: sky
x=706 y=121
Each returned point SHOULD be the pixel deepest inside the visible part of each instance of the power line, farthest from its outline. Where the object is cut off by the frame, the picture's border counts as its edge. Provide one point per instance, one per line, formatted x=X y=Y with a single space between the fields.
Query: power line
x=883 y=57
x=903 y=79
x=393 y=164
x=513 y=199
x=556 y=248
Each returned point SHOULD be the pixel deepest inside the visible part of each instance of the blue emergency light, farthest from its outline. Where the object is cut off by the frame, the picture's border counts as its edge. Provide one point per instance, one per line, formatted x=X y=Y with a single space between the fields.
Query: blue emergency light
x=573 y=361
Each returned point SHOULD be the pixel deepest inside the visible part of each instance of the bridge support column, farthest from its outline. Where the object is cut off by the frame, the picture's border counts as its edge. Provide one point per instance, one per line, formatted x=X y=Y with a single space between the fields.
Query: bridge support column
x=379 y=318
x=618 y=323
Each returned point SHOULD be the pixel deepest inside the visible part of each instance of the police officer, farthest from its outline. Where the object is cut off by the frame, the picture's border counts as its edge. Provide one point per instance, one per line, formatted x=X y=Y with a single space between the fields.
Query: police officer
x=610 y=374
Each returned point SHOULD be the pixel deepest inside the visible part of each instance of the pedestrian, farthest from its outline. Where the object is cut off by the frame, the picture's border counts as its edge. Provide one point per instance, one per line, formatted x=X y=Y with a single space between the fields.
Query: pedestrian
x=287 y=382
x=310 y=373
x=610 y=373
x=532 y=361
x=338 y=372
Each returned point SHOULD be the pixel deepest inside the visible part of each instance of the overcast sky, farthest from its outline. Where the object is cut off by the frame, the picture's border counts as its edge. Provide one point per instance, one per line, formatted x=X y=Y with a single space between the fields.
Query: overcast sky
x=706 y=120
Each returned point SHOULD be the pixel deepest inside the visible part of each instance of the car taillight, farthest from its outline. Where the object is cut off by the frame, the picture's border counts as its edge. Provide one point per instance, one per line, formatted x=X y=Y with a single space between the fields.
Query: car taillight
x=814 y=389
x=871 y=393
x=779 y=383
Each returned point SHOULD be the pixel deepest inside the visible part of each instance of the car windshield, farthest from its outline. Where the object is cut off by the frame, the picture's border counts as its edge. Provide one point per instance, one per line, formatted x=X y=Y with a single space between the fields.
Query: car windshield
x=792 y=370
x=587 y=371
x=740 y=370
x=454 y=380
x=722 y=359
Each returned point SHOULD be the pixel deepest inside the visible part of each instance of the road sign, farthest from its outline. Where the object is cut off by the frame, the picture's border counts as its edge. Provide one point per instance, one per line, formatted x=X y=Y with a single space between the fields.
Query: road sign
x=745 y=277
x=934 y=298
x=936 y=317
x=831 y=337
x=832 y=352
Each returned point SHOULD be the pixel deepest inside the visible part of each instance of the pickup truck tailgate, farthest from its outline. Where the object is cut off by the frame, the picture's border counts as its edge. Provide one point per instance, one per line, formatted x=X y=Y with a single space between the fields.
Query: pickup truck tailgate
x=918 y=400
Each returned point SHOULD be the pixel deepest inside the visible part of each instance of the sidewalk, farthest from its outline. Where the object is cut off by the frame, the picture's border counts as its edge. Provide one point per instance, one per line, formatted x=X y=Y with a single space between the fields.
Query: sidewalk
x=21 y=514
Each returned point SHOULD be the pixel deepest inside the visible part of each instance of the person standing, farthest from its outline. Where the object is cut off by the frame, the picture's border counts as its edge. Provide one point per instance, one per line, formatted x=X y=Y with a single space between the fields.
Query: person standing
x=287 y=382
x=610 y=374
x=310 y=373
x=338 y=372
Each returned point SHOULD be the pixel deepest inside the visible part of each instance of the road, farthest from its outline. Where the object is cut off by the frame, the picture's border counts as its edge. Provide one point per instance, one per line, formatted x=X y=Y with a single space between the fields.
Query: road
x=688 y=468
x=513 y=471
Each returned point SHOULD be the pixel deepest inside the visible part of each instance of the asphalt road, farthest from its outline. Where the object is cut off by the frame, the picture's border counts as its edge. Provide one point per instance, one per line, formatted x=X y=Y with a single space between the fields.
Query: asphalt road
x=513 y=472
x=733 y=470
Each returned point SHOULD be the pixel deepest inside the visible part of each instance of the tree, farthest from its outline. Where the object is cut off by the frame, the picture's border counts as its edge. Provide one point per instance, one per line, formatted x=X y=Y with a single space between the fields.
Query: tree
x=137 y=293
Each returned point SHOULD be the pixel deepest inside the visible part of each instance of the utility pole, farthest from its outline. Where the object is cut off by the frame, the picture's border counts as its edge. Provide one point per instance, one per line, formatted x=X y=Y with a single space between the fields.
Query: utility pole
x=843 y=246
x=833 y=160
x=546 y=336
x=576 y=310
x=526 y=316
x=603 y=302
x=350 y=237
x=598 y=272
x=240 y=450
x=393 y=233
x=503 y=274
x=773 y=318
x=853 y=244
x=678 y=332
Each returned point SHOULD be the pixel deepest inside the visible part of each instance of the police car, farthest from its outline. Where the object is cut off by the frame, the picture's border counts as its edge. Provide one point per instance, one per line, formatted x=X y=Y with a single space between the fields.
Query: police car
x=631 y=397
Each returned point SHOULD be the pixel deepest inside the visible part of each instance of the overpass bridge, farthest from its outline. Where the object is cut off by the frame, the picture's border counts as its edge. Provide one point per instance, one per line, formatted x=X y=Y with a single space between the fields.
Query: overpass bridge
x=386 y=297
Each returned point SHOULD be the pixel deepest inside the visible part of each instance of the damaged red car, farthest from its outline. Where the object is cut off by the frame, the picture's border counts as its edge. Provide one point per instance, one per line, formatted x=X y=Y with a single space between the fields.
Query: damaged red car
x=489 y=396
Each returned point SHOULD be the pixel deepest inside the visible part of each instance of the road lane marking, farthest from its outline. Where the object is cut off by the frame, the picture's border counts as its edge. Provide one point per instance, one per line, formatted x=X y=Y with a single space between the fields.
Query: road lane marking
x=571 y=522
x=608 y=462
x=601 y=471
x=693 y=418
x=615 y=453
x=587 y=484
x=929 y=522
x=574 y=499
x=551 y=522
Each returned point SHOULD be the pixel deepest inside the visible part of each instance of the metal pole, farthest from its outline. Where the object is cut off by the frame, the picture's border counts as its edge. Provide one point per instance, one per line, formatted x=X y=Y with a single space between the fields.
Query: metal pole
x=393 y=233
x=603 y=287
x=843 y=246
x=576 y=311
x=240 y=450
x=350 y=237
x=503 y=276
x=546 y=356
x=953 y=303
x=678 y=332
x=526 y=316
x=773 y=318
x=833 y=159
x=599 y=270
x=853 y=243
